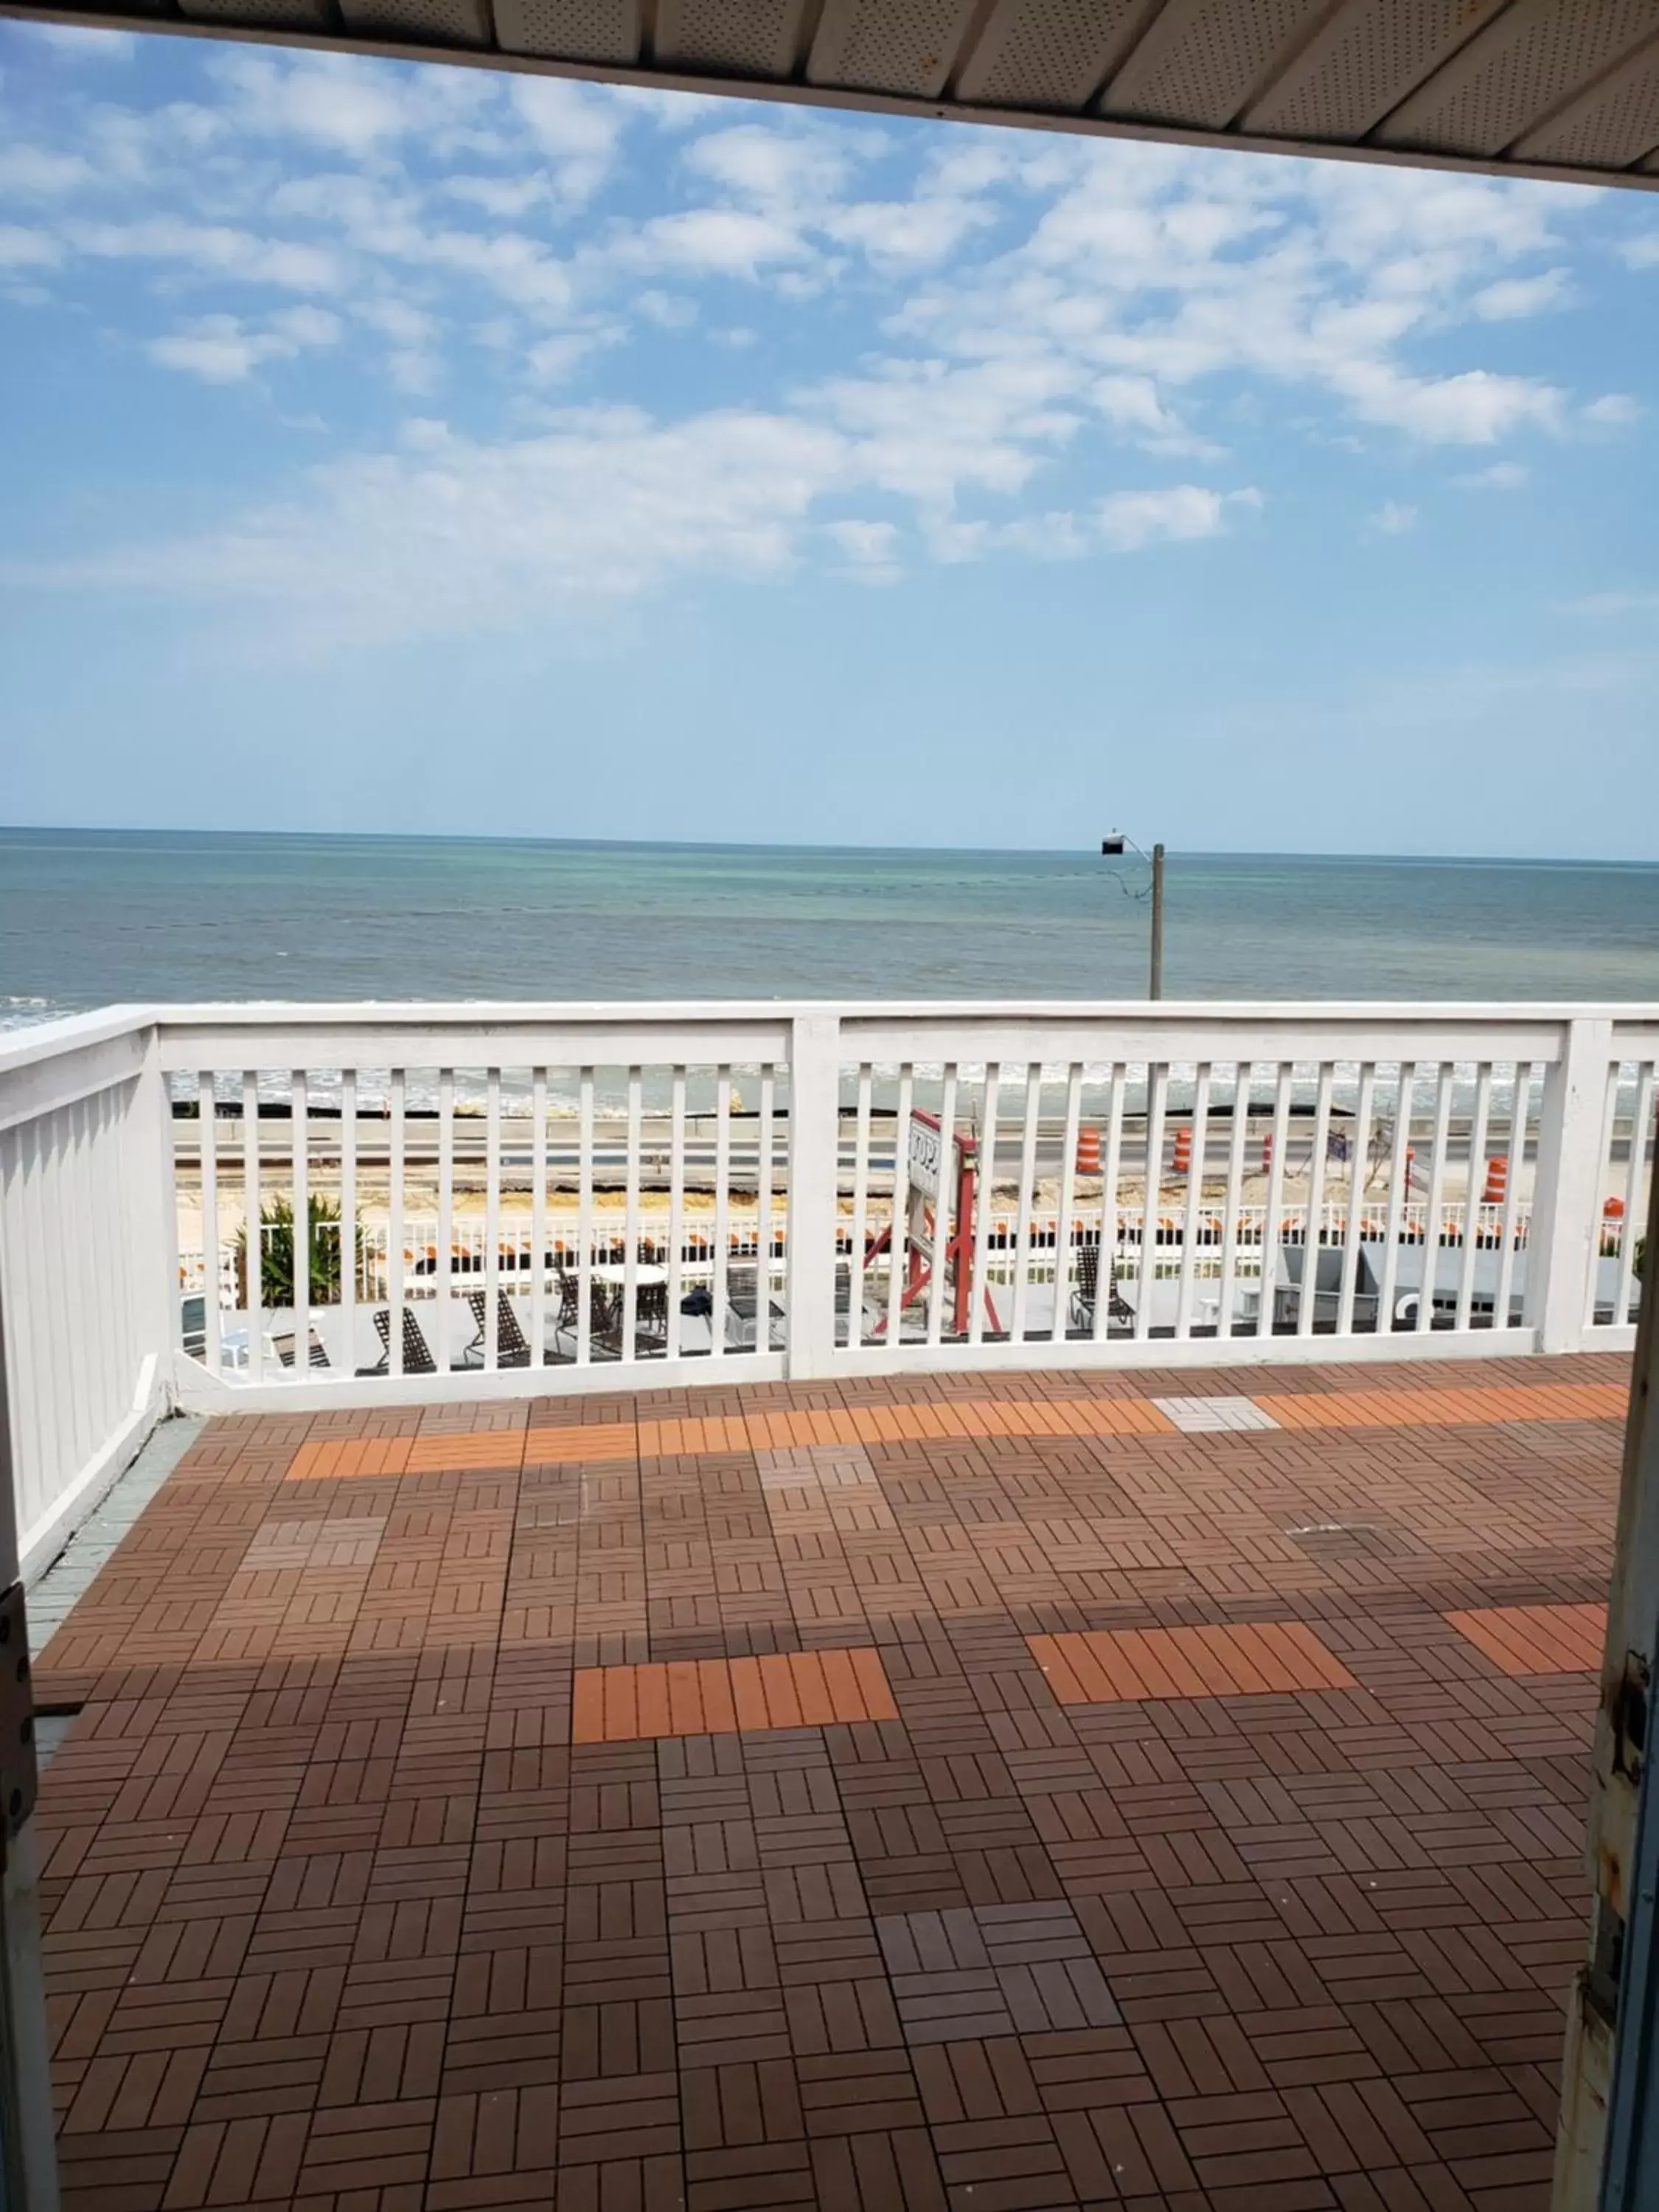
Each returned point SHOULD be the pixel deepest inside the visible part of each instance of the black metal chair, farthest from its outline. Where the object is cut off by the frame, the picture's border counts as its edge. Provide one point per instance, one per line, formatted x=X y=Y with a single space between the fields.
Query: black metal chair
x=512 y=1344
x=283 y=1346
x=417 y=1356
x=1086 y=1293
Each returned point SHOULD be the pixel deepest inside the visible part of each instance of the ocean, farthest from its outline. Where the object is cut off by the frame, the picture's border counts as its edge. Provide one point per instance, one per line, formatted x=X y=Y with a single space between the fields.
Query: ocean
x=88 y=917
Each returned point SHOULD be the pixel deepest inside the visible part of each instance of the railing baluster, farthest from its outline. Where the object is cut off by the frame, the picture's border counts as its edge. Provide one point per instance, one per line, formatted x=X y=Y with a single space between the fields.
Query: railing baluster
x=763 y=1142
x=583 y=1216
x=630 y=1346
x=1471 y=1226
x=988 y=1159
x=1152 y=1188
x=1238 y=1138
x=1027 y=1178
x=860 y=1209
x=1604 y=1164
x=1110 y=1173
x=1353 y=1238
x=253 y=1270
x=1636 y=1210
x=492 y=1255
x=538 y=1216
x=1060 y=1318
x=943 y=1210
x=348 y=1220
x=394 y=1235
x=1200 y=1129
x=723 y=1221
x=899 y=1242
x=1526 y=1073
x=1432 y=1230
x=1307 y=1306
x=299 y=1131
x=1272 y=1227
x=443 y=1286
x=674 y=1257
x=208 y=1123
x=1398 y=1192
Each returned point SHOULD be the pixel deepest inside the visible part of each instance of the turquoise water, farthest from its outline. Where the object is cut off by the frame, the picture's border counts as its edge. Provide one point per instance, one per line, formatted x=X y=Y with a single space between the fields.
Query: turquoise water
x=87 y=917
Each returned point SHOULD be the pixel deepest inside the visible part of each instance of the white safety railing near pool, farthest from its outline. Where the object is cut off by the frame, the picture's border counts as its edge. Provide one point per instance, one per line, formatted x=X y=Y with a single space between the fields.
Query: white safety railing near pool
x=495 y=1201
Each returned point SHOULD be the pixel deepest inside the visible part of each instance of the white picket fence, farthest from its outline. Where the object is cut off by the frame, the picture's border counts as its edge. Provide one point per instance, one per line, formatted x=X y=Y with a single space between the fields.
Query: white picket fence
x=727 y=1191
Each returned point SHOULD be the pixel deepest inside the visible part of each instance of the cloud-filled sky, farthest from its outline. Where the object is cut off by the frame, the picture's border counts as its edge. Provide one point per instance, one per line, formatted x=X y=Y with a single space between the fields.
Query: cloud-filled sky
x=420 y=448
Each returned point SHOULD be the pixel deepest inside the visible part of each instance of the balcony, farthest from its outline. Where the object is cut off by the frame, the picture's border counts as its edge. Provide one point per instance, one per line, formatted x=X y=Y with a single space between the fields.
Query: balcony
x=931 y=1609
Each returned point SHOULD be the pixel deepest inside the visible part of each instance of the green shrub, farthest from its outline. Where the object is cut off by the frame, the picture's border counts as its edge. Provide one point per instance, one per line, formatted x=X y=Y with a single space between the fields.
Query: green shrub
x=276 y=1253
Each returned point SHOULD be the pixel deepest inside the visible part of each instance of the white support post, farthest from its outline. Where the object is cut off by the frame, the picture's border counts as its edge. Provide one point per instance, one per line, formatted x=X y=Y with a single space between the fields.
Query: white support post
x=814 y=1139
x=1567 y=1187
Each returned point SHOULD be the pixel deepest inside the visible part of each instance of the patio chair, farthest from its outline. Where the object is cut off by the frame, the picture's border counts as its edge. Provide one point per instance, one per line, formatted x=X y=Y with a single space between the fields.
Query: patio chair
x=512 y=1344
x=418 y=1357
x=742 y=1312
x=1086 y=1292
x=283 y=1346
x=604 y=1317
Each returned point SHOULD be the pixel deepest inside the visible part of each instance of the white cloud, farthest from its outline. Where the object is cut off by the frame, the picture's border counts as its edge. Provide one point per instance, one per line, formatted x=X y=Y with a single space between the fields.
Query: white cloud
x=1395 y=519
x=1614 y=410
x=579 y=129
x=1129 y=519
x=42 y=173
x=1475 y=408
x=1502 y=475
x=78 y=46
x=1642 y=252
x=224 y=350
x=1511 y=297
x=869 y=549
x=28 y=249
x=214 y=250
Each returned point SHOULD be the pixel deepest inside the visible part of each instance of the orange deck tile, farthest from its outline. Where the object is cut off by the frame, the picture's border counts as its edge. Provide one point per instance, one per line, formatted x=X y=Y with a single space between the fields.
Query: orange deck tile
x=351 y=1456
x=579 y=1440
x=1536 y=1639
x=1113 y=1666
x=728 y=1696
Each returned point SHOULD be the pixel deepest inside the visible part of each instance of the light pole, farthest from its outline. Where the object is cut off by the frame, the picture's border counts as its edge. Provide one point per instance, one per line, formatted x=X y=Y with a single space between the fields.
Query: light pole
x=1114 y=848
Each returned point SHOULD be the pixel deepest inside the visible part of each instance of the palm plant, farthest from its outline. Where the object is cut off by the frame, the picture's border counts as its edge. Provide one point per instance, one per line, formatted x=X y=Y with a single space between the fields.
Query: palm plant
x=276 y=1253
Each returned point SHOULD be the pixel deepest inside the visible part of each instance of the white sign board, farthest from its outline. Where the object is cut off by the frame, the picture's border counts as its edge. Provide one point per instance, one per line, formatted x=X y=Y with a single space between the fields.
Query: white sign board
x=925 y=1148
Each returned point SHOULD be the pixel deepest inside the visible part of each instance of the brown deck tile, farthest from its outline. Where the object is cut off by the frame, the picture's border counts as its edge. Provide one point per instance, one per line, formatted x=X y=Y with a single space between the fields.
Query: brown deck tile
x=951 y=1791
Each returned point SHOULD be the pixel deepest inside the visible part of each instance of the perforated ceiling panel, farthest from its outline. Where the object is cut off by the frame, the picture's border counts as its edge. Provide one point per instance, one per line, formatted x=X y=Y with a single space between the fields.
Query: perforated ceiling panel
x=1050 y=53
x=1361 y=64
x=1204 y=59
x=755 y=38
x=900 y=45
x=1541 y=88
x=1615 y=124
x=260 y=15
x=570 y=30
x=1522 y=69
x=442 y=22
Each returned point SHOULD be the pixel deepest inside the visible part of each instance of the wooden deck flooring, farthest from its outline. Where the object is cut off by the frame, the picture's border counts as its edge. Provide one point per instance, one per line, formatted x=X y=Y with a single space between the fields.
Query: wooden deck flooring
x=1003 y=1794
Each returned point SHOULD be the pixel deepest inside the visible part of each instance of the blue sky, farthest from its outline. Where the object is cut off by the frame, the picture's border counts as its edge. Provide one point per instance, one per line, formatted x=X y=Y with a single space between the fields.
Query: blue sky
x=428 y=449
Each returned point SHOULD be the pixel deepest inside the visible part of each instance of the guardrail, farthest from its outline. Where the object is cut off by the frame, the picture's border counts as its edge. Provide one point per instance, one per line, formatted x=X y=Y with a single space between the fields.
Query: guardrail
x=495 y=1201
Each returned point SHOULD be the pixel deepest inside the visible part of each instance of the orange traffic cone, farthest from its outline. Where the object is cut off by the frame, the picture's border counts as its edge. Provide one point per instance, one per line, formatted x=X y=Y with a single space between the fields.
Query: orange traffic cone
x=1088 y=1152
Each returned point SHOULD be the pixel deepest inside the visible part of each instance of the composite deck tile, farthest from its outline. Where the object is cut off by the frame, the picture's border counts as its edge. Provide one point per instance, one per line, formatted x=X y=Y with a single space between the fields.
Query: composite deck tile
x=1537 y=1639
x=1250 y=1659
x=907 y=1791
x=728 y=1696
x=1197 y=1417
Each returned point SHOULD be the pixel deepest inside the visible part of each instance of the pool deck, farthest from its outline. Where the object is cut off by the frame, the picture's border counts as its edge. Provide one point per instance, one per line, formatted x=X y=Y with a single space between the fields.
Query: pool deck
x=1005 y=1793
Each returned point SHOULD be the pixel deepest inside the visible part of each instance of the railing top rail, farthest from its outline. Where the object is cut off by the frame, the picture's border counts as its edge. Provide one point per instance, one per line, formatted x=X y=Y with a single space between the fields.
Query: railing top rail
x=44 y=1040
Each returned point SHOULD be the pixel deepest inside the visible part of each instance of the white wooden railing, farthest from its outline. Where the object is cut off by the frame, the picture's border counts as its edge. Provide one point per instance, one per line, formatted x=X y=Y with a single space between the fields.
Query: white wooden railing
x=680 y=1194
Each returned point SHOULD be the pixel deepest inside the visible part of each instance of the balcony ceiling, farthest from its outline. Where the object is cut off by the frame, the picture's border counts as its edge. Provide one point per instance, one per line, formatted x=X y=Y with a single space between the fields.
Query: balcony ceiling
x=1533 y=87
